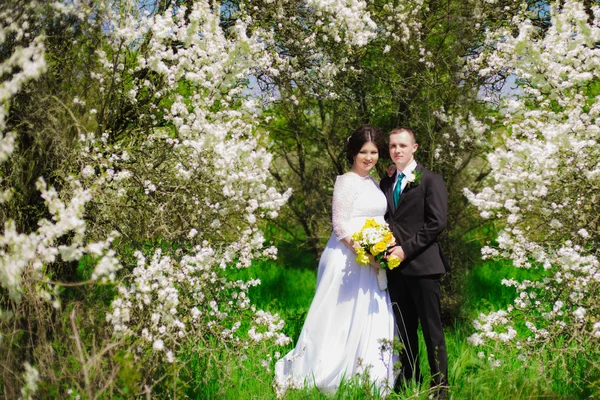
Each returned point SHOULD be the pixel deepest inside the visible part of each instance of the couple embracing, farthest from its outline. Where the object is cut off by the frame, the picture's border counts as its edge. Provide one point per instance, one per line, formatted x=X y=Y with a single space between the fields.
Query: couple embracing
x=351 y=316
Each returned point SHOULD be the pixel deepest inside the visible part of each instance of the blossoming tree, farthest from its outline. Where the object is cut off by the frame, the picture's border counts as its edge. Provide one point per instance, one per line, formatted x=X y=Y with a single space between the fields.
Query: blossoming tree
x=544 y=183
x=166 y=149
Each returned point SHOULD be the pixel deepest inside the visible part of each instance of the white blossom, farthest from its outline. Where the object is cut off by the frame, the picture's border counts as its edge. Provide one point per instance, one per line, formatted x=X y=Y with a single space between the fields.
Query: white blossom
x=543 y=175
x=158 y=345
x=31 y=377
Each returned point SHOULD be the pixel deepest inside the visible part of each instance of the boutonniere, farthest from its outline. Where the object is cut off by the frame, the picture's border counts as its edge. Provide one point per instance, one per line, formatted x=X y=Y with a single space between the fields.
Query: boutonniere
x=413 y=179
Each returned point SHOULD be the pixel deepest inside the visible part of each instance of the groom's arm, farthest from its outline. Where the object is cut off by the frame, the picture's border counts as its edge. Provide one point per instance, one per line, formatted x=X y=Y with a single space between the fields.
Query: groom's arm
x=434 y=219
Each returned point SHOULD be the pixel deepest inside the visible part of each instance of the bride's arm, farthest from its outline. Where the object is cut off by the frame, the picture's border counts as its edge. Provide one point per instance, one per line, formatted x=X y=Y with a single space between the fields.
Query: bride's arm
x=341 y=209
x=348 y=242
x=344 y=193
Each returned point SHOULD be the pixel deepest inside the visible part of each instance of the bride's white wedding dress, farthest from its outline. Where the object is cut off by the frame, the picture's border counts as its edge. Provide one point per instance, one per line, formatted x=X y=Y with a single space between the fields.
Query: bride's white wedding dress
x=349 y=314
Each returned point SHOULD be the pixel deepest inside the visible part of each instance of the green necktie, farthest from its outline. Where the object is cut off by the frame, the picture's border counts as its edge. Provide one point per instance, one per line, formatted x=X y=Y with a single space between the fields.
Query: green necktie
x=398 y=189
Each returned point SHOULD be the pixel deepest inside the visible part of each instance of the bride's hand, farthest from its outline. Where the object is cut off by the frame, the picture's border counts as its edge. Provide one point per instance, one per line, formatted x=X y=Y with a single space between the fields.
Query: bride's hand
x=374 y=263
x=349 y=242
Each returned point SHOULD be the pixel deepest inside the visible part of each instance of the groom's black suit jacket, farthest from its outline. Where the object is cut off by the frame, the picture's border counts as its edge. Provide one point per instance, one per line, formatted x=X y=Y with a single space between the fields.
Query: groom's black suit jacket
x=417 y=222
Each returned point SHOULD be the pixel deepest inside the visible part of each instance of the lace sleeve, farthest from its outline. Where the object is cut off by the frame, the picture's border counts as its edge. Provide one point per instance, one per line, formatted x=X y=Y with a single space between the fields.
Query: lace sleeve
x=343 y=200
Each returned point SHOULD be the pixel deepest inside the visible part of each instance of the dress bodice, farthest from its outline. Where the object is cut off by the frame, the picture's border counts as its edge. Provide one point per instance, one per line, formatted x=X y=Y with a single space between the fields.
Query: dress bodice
x=355 y=199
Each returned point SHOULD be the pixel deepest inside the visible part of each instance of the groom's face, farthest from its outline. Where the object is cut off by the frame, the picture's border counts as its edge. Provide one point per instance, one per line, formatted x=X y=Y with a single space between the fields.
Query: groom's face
x=402 y=149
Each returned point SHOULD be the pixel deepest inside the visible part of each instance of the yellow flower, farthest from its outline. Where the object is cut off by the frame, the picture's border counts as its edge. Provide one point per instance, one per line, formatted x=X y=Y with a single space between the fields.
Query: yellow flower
x=389 y=238
x=370 y=224
x=378 y=248
x=362 y=259
x=393 y=261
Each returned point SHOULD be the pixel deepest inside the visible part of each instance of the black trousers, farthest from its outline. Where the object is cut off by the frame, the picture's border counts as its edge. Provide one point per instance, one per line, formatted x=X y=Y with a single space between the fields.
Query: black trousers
x=414 y=300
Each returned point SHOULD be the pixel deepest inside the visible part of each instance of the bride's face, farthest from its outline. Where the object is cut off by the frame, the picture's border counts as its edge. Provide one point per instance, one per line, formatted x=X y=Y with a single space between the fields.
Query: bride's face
x=366 y=158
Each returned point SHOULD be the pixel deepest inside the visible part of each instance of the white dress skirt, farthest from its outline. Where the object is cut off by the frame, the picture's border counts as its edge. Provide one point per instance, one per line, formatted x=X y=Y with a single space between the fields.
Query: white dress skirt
x=349 y=315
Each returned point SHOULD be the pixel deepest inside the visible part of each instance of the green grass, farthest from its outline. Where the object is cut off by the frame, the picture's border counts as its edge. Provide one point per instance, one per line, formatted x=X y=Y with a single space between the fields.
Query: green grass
x=286 y=291
x=289 y=292
x=484 y=290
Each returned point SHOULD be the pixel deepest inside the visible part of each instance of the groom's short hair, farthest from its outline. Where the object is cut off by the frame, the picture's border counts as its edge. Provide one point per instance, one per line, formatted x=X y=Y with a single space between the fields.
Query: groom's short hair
x=401 y=129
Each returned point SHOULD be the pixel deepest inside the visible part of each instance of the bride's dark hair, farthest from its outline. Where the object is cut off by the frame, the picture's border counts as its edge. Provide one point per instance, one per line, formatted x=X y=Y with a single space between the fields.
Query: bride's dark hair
x=360 y=136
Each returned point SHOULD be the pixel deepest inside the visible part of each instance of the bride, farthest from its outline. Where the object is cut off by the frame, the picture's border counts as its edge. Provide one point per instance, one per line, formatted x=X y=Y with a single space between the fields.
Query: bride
x=349 y=315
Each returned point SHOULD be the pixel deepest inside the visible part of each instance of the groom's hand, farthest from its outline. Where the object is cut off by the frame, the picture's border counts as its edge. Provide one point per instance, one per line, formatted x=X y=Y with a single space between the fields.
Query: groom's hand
x=397 y=251
x=391 y=169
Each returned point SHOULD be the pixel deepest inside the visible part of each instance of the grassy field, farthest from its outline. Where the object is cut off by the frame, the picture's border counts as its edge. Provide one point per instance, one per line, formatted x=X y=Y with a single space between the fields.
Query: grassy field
x=289 y=291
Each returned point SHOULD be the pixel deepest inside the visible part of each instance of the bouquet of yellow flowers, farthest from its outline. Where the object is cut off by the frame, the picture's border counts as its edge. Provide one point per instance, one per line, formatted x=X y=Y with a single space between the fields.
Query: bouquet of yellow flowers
x=375 y=238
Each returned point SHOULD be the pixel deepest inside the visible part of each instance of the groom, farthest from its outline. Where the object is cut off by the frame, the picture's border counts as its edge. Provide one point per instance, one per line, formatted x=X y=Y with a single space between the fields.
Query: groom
x=416 y=213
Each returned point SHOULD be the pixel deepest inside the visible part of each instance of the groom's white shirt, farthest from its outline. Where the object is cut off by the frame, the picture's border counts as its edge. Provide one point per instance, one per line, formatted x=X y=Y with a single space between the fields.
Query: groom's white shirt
x=409 y=168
